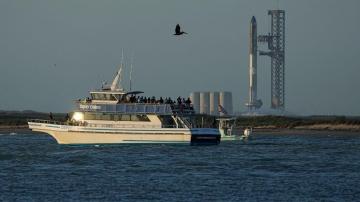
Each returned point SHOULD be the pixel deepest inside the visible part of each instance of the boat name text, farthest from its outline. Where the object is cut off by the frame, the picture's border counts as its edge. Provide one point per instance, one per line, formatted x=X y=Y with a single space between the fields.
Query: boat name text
x=94 y=107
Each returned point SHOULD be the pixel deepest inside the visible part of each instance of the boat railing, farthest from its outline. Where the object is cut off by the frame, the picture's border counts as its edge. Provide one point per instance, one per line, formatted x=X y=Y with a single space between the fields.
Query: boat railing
x=182 y=109
x=126 y=108
x=136 y=108
x=128 y=126
x=92 y=125
x=187 y=123
x=70 y=123
x=184 y=122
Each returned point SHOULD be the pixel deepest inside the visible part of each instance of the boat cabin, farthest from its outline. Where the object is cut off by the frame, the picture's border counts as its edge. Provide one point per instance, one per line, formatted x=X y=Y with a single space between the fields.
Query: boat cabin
x=111 y=97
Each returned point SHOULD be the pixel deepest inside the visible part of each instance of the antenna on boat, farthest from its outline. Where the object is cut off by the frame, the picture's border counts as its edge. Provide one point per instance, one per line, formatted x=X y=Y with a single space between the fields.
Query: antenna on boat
x=117 y=79
x=131 y=68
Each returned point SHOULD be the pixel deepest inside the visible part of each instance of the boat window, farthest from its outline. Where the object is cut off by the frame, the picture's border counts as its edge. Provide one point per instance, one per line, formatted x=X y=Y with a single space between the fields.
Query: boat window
x=106 y=117
x=139 y=118
x=134 y=118
x=115 y=117
x=102 y=96
x=95 y=96
x=90 y=116
x=143 y=117
x=97 y=116
x=167 y=120
x=125 y=117
x=114 y=97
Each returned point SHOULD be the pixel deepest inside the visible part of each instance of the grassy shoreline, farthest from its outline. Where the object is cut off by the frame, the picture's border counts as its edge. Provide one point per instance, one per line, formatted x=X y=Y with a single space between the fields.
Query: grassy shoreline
x=11 y=121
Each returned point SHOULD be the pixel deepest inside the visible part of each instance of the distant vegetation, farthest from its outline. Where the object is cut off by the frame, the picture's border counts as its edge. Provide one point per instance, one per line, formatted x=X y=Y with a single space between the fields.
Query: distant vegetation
x=282 y=121
x=17 y=118
x=292 y=122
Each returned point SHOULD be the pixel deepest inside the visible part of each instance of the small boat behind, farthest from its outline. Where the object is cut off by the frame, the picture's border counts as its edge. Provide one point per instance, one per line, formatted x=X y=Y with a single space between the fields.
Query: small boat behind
x=229 y=130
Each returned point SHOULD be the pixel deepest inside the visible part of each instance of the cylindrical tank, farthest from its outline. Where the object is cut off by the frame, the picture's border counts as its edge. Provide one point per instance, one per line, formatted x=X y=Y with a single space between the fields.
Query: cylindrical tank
x=226 y=103
x=214 y=103
x=204 y=103
x=195 y=100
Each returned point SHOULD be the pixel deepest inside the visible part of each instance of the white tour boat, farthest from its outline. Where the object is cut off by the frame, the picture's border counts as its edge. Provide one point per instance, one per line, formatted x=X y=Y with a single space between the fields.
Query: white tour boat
x=112 y=116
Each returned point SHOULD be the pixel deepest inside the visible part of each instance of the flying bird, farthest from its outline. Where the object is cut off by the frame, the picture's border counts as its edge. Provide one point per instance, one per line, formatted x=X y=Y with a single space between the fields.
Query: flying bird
x=178 y=30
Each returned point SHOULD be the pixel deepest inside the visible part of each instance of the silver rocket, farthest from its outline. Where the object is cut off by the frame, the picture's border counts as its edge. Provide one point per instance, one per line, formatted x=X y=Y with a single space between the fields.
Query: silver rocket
x=253 y=103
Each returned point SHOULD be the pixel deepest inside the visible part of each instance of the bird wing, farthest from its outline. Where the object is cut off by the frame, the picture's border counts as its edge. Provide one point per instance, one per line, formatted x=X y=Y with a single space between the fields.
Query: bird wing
x=177 y=29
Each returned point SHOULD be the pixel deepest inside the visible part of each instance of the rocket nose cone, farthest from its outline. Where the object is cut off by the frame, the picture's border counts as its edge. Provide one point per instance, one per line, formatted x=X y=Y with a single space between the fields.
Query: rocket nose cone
x=253 y=20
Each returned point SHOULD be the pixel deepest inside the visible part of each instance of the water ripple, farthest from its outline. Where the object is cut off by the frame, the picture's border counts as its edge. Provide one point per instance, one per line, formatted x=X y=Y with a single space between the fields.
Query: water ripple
x=309 y=167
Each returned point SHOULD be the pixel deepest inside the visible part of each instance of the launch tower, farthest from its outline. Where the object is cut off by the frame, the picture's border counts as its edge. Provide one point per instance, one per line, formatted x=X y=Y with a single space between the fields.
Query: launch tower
x=276 y=45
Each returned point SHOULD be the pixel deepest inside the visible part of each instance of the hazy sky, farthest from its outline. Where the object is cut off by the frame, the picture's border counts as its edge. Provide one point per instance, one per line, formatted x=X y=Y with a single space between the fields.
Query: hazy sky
x=84 y=38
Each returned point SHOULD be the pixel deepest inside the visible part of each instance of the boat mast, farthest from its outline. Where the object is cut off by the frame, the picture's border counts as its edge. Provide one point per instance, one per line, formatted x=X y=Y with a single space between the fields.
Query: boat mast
x=116 y=84
x=131 y=68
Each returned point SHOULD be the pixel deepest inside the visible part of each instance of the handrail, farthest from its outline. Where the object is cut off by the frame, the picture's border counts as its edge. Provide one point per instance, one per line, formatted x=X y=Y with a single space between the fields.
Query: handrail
x=187 y=123
x=136 y=108
x=69 y=123
x=94 y=125
x=133 y=108
x=184 y=122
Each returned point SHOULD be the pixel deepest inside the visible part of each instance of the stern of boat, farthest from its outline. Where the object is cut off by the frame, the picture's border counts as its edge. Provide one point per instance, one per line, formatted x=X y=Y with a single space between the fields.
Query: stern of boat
x=205 y=136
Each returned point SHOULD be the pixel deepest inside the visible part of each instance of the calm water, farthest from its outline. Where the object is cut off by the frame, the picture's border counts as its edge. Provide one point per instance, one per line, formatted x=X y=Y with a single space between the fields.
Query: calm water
x=309 y=167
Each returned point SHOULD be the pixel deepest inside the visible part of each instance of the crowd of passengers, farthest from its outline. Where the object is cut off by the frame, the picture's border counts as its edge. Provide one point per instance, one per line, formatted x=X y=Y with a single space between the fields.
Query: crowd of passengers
x=180 y=103
x=153 y=100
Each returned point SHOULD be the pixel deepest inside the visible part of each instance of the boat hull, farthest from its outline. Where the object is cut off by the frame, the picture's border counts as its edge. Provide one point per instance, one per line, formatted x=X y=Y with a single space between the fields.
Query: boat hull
x=114 y=138
x=65 y=134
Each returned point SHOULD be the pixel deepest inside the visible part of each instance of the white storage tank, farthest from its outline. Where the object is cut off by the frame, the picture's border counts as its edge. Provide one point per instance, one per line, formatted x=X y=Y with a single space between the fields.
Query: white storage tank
x=204 y=103
x=195 y=100
x=214 y=103
x=226 y=102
